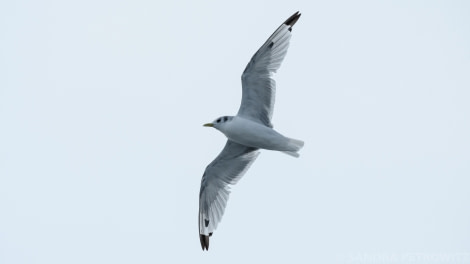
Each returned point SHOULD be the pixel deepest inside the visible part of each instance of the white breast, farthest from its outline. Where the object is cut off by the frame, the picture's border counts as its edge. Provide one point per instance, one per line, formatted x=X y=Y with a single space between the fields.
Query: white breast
x=249 y=133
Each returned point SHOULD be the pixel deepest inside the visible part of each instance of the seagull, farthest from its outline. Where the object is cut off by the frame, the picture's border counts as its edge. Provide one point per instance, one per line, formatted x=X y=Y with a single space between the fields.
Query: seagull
x=247 y=132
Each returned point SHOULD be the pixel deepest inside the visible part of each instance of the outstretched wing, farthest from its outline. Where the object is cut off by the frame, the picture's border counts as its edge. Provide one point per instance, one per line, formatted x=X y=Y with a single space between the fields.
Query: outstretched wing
x=227 y=168
x=258 y=85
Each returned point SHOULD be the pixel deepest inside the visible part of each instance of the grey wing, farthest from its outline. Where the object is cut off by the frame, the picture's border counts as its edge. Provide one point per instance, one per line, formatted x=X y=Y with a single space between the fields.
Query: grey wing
x=225 y=170
x=258 y=85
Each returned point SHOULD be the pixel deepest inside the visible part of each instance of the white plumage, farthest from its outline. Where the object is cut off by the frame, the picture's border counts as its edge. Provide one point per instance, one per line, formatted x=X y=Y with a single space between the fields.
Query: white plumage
x=247 y=132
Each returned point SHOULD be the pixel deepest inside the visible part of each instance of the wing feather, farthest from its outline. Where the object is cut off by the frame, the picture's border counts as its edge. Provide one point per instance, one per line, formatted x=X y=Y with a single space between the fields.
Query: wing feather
x=258 y=85
x=227 y=168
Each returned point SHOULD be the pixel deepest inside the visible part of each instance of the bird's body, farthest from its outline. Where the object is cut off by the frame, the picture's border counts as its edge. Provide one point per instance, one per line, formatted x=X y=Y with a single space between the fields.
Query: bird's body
x=253 y=134
x=247 y=132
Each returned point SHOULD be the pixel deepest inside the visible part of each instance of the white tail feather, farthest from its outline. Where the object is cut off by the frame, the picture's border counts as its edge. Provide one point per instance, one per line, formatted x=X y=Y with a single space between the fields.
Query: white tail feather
x=295 y=145
x=291 y=153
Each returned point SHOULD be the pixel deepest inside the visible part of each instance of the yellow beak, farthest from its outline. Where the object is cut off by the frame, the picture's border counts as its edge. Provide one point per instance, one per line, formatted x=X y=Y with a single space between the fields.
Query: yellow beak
x=208 y=125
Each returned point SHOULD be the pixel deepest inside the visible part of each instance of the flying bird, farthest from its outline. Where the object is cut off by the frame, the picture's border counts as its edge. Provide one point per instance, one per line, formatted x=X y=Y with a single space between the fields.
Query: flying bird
x=247 y=132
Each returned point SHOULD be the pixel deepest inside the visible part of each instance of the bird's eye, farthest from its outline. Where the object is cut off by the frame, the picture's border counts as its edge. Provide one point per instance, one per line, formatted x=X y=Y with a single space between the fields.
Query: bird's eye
x=218 y=120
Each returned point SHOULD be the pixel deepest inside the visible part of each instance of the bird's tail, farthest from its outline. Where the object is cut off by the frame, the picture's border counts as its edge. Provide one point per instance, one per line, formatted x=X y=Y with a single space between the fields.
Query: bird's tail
x=295 y=145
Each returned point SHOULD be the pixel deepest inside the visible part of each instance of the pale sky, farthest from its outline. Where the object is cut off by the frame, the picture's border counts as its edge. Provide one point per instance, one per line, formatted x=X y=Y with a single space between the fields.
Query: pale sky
x=102 y=147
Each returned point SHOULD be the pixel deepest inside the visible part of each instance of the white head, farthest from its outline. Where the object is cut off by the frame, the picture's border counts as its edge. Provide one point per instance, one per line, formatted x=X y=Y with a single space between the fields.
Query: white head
x=220 y=122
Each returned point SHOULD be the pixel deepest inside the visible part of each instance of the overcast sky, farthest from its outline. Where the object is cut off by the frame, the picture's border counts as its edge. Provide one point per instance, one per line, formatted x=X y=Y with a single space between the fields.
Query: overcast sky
x=102 y=147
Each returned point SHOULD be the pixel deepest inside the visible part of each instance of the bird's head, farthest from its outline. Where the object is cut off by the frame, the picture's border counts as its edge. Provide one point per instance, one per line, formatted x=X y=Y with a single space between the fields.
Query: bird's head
x=220 y=122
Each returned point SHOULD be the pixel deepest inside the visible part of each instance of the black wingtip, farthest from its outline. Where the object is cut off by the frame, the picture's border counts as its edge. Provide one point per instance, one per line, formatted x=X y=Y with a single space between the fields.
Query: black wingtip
x=292 y=20
x=204 y=242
